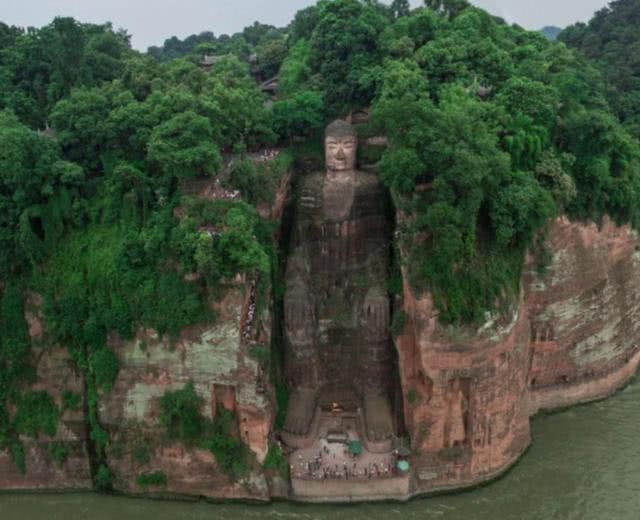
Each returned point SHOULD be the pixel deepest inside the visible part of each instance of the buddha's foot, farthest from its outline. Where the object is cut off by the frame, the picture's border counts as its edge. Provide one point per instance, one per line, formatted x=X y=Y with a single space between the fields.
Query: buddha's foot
x=377 y=416
x=302 y=406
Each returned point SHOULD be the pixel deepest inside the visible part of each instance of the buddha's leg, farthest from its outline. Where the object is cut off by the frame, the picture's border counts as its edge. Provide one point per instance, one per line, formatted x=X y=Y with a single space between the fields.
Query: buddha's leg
x=377 y=408
x=302 y=366
x=377 y=367
x=302 y=369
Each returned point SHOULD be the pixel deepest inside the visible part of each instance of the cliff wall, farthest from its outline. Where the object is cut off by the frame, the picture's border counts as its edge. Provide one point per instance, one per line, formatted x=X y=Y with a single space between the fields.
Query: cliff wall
x=572 y=338
x=584 y=311
x=465 y=396
x=218 y=361
x=56 y=374
x=227 y=362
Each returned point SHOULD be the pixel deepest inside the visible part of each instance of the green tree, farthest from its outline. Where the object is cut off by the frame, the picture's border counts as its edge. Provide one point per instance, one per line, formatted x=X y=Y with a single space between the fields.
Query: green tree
x=295 y=72
x=271 y=52
x=301 y=115
x=36 y=413
x=400 y=8
x=611 y=39
x=237 y=107
x=344 y=46
x=180 y=414
x=80 y=125
x=34 y=193
x=449 y=7
x=183 y=146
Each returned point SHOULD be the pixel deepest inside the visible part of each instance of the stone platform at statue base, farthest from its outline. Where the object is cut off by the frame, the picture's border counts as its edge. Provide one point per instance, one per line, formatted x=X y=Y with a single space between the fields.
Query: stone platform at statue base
x=333 y=491
x=337 y=461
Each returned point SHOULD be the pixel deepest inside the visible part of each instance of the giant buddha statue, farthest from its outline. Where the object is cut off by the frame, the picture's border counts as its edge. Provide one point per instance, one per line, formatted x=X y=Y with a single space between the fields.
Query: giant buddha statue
x=336 y=305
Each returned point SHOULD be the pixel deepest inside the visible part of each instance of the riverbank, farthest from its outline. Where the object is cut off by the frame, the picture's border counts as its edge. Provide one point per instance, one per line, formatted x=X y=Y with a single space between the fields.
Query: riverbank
x=559 y=465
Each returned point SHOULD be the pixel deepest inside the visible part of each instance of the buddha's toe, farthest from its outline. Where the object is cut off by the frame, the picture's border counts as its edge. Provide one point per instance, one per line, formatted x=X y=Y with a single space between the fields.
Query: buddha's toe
x=300 y=412
x=378 y=417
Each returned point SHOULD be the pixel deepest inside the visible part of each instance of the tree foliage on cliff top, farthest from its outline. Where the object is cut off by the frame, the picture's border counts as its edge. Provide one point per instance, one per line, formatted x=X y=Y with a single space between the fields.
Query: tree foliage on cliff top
x=612 y=39
x=493 y=130
x=97 y=141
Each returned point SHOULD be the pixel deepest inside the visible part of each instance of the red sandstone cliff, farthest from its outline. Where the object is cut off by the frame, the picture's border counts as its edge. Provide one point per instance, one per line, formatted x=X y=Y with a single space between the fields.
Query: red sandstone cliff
x=217 y=359
x=585 y=310
x=55 y=373
x=465 y=396
x=572 y=338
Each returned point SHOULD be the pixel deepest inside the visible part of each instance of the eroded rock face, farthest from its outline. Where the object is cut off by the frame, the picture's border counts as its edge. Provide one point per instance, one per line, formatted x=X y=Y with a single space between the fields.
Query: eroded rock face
x=219 y=364
x=572 y=338
x=465 y=397
x=584 y=314
x=55 y=374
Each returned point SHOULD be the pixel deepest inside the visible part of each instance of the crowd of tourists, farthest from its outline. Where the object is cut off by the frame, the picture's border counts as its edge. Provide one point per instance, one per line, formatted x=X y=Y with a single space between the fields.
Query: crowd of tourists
x=337 y=464
x=268 y=155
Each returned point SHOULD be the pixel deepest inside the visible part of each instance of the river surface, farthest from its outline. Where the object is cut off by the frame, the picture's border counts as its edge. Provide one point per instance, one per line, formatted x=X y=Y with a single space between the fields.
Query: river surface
x=584 y=464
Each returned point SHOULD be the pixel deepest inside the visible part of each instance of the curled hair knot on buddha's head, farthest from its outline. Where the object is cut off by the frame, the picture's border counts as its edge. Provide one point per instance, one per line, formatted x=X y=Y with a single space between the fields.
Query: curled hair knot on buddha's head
x=340 y=128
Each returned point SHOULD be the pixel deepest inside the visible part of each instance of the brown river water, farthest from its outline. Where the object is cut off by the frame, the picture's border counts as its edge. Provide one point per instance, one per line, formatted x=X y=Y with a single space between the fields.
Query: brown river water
x=584 y=464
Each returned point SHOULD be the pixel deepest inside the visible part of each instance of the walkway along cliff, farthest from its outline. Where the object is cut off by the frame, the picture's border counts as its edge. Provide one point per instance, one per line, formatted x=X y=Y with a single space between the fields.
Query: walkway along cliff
x=463 y=397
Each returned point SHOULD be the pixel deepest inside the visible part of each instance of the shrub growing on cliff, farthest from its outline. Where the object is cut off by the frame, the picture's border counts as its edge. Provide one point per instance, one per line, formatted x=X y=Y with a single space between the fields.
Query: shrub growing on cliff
x=180 y=414
x=155 y=478
x=398 y=323
x=222 y=439
x=14 y=366
x=36 y=413
x=58 y=451
x=71 y=400
x=103 y=479
x=276 y=460
x=253 y=181
x=105 y=366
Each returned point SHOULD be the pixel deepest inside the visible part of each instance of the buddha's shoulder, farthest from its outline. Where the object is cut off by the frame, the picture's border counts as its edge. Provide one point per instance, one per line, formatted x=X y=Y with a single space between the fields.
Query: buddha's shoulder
x=367 y=180
x=312 y=181
x=309 y=192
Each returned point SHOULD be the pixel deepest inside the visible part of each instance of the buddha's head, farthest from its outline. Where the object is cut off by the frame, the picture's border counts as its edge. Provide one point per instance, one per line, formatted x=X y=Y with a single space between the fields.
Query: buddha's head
x=340 y=145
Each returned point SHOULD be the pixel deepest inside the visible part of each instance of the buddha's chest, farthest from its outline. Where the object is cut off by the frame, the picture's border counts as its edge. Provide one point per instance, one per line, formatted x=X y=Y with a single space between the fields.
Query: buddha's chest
x=333 y=206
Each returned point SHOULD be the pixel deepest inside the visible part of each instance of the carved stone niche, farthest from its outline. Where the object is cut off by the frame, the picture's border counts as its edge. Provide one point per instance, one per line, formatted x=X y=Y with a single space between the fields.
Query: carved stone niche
x=425 y=384
x=337 y=339
x=224 y=396
x=456 y=424
x=542 y=331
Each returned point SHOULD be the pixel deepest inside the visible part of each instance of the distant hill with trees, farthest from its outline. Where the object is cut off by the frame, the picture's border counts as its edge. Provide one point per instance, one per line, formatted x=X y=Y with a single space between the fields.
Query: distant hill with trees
x=551 y=32
x=263 y=45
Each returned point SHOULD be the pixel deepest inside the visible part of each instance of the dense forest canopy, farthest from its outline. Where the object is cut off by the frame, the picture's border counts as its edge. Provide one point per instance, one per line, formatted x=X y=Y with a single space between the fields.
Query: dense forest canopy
x=97 y=140
x=612 y=40
x=492 y=131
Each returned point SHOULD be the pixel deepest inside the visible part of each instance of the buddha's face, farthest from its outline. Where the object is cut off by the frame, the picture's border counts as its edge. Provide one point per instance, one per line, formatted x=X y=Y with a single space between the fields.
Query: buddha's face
x=340 y=153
